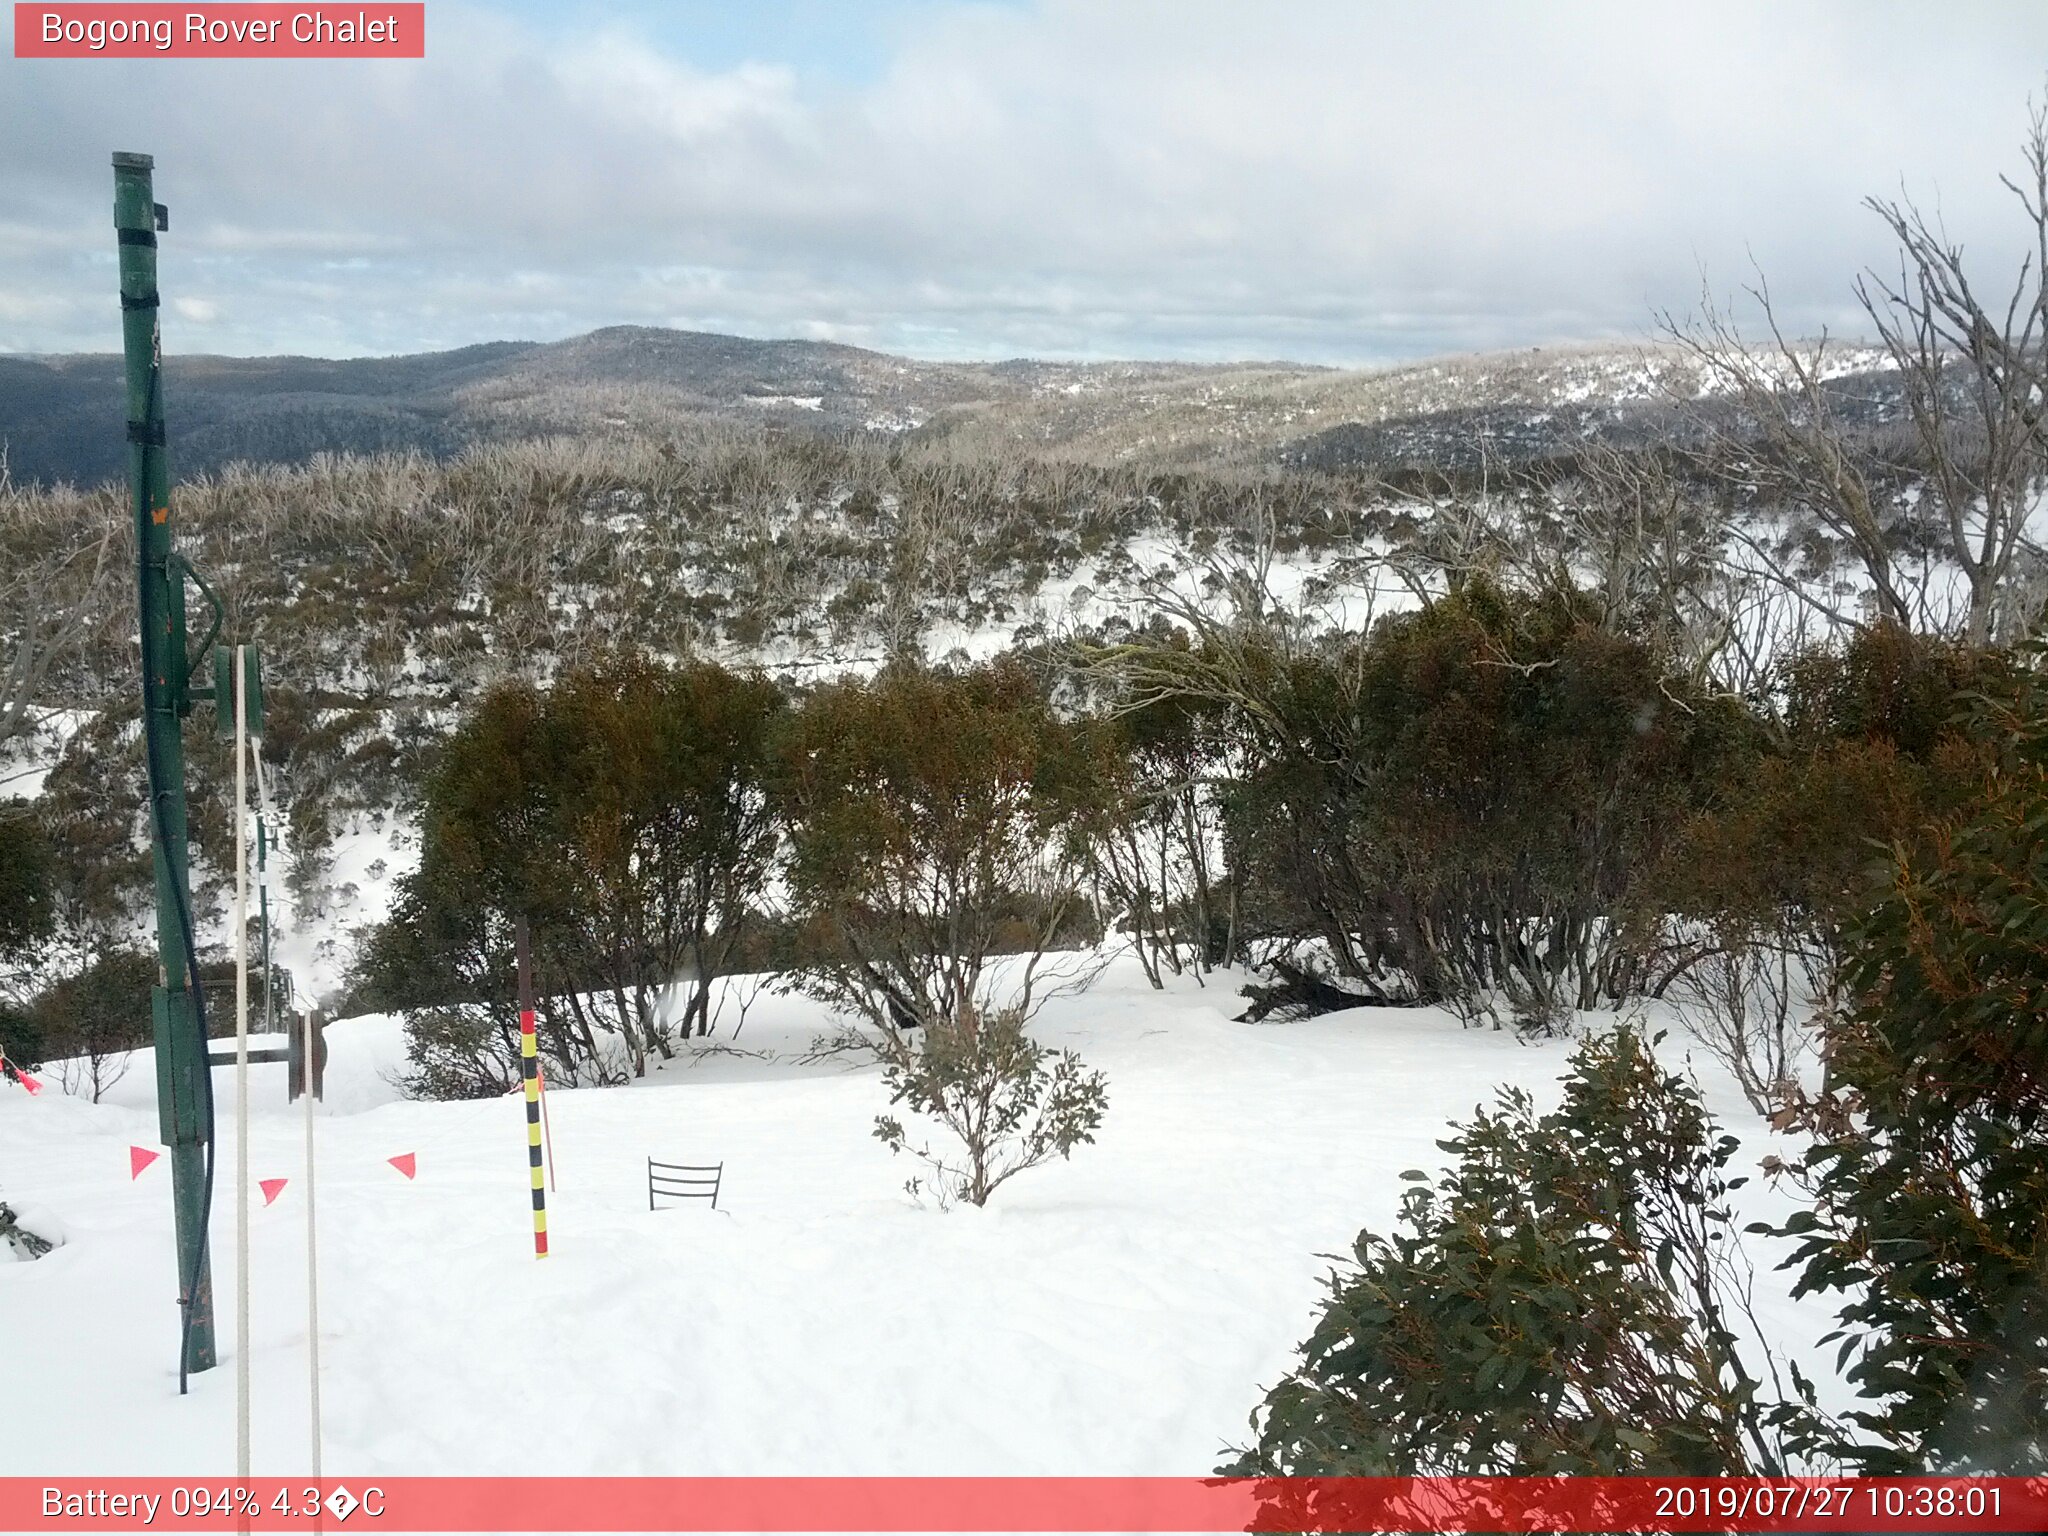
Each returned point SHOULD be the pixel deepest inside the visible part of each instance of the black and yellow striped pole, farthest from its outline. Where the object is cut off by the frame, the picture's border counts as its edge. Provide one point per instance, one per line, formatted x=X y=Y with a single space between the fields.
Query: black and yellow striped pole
x=529 y=1066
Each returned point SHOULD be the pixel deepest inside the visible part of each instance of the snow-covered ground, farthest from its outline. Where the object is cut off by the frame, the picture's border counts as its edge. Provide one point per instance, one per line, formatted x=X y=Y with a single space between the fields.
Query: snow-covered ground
x=1121 y=1313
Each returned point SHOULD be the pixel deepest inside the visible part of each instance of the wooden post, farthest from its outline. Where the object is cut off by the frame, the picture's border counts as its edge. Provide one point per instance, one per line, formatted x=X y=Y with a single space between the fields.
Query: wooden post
x=309 y=1025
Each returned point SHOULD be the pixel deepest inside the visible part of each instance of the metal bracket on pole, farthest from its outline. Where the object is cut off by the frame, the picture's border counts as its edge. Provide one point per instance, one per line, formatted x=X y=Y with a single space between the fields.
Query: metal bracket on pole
x=224 y=688
x=307 y=1055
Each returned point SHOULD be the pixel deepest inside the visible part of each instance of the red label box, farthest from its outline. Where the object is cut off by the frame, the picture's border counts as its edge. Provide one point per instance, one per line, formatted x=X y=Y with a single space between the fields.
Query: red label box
x=1673 y=1505
x=361 y=30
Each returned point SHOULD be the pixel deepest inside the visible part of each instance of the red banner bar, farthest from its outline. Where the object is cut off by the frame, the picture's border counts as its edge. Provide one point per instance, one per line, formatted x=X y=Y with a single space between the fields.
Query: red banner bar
x=1018 y=1504
x=368 y=29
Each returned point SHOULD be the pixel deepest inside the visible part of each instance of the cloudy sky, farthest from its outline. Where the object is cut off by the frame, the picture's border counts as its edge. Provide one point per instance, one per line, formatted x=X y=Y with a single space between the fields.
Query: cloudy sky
x=1354 y=181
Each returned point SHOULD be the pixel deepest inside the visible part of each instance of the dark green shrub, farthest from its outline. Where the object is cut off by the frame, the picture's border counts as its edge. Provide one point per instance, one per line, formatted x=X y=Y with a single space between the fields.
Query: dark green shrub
x=1470 y=803
x=1564 y=1300
x=624 y=814
x=1931 y=1181
x=1155 y=837
x=21 y=1043
x=26 y=878
x=1869 y=749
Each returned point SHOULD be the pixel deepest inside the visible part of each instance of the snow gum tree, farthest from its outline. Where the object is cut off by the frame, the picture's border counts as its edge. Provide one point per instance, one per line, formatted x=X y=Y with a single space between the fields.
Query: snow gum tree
x=936 y=855
x=1966 y=348
x=625 y=815
x=661 y=810
x=1464 y=804
x=26 y=915
x=1858 y=749
x=1156 y=847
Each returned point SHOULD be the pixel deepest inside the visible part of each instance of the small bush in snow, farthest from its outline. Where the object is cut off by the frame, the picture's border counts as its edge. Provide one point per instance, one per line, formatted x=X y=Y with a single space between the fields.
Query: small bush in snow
x=17 y=1241
x=460 y=1053
x=1751 y=1005
x=1567 y=1299
x=1008 y=1101
x=91 y=1024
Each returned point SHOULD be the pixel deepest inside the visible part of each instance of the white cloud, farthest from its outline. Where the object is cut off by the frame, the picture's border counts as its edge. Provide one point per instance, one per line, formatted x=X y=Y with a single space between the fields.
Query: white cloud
x=1325 y=180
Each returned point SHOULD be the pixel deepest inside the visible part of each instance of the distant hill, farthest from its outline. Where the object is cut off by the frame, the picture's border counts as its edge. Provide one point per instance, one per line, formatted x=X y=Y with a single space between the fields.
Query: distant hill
x=60 y=416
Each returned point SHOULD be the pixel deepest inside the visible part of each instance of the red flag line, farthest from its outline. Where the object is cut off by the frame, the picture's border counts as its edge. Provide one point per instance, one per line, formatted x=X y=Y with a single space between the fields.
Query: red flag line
x=12 y=1072
x=140 y=1158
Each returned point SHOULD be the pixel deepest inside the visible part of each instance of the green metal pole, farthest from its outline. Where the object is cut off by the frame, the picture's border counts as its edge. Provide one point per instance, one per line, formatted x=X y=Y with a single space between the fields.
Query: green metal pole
x=184 y=1096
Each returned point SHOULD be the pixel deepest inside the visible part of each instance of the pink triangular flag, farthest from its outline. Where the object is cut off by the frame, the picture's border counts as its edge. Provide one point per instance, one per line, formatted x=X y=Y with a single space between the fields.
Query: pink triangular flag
x=271 y=1188
x=406 y=1163
x=27 y=1082
x=140 y=1158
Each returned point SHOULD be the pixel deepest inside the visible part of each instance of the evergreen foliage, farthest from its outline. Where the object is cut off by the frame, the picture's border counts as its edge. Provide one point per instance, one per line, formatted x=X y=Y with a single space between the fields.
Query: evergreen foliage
x=1156 y=840
x=624 y=814
x=1859 y=748
x=1930 y=1184
x=1566 y=1299
x=1469 y=802
x=1009 y=1102
x=935 y=822
x=27 y=876
x=95 y=1019
x=21 y=1043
